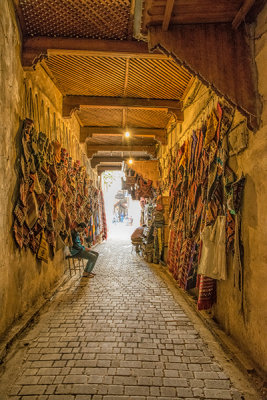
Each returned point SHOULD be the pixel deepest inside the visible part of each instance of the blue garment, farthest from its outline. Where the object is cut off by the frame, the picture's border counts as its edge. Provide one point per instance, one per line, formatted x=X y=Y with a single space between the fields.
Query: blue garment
x=77 y=246
x=78 y=249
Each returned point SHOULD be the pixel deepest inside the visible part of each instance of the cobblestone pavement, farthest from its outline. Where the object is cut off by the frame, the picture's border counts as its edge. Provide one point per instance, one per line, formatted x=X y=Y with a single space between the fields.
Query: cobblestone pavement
x=119 y=336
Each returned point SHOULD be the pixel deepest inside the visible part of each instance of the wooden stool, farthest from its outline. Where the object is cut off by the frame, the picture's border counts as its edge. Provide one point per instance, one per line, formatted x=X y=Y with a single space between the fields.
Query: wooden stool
x=73 y=266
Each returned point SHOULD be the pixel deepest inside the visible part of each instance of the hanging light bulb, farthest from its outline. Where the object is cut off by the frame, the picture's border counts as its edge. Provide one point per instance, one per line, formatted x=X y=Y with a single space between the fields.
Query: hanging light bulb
x=127 y=134
x=130 y=161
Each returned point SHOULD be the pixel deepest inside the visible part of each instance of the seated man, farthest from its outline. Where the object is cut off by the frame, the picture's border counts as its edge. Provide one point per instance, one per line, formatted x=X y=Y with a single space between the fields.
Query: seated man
x=79 y=250
x=137 y=237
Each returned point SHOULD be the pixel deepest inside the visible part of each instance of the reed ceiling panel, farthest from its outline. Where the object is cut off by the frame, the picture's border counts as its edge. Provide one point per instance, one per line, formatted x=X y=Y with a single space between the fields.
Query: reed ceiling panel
x=147 y=118
x=106 y=76
x=88 y=76
x=156 y=78
x=95 y=19
x=100 y=116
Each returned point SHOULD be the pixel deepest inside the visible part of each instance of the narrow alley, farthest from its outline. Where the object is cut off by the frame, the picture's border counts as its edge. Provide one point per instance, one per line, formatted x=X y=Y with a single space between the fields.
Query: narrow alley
x=133 y=190
x=123 y=335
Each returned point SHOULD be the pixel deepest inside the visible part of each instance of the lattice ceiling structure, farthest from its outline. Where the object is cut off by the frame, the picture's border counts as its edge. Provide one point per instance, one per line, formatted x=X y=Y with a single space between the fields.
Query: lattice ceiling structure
x=97 y=54
x=95 y=19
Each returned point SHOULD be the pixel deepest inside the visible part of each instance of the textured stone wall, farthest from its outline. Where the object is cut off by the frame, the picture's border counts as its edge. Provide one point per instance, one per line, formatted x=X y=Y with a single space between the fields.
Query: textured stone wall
x=249 y=325
x=23 y=279
x=246 y=322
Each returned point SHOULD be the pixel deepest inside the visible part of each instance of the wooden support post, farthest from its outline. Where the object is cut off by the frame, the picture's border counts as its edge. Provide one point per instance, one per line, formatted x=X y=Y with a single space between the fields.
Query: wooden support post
x=167 y=14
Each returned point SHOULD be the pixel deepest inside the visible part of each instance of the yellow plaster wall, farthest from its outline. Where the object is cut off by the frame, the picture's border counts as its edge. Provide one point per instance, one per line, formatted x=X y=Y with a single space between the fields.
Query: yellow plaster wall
x=247 y=326
x=23 y=279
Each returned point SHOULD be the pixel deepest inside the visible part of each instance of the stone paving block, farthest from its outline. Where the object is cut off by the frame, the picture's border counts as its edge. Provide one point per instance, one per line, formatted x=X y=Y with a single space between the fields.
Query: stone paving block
x=60 y=364
x=121 y=336
x=34 y=357
x=143 y=371
x=61 y=397
x=41 y=364
x=217 y=384
x=217 y=394
x=58 y=379
x=168 y=392
x=102 y=389
x=28 y=380
x=198 y=393
x=96 y=371
x=51 y=356
x=115 y=389
x=75 y=379
x=123 y=371
x=174 y=382
x=131 y=364
x=116 y=397
x=206 y=375
x=183 y=392
x=125 y=380
x=30 y=371
x=32 y=389
x=50 y=389
x=137 y=390
x=47 y=380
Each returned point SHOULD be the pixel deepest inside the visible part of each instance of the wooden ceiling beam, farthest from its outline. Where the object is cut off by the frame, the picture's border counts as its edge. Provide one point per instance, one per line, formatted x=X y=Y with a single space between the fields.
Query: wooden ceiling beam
x=90 y=131
x=36 y=48
x=98 y=160
x=167 y=15
x=93 y=149
x=73 y=103
x=242 y=12
x=103 y=168
x=126 y=77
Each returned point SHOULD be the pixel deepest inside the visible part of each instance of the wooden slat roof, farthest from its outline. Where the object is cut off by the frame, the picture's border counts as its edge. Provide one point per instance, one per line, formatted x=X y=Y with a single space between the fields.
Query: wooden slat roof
x=148 y=77
x=135 y=118
x=68 y=33
x=105 y=76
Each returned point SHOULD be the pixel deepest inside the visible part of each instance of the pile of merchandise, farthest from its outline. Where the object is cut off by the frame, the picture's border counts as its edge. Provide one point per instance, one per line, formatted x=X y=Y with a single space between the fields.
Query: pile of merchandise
x=55 y=192
x=153 y=241
x=205 y=199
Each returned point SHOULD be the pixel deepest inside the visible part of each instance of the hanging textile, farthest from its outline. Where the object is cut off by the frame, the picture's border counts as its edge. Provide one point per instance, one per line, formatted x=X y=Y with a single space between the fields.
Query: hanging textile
x=54 y=194
x=213 y=254
x=207 y=292
x=201 y=190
